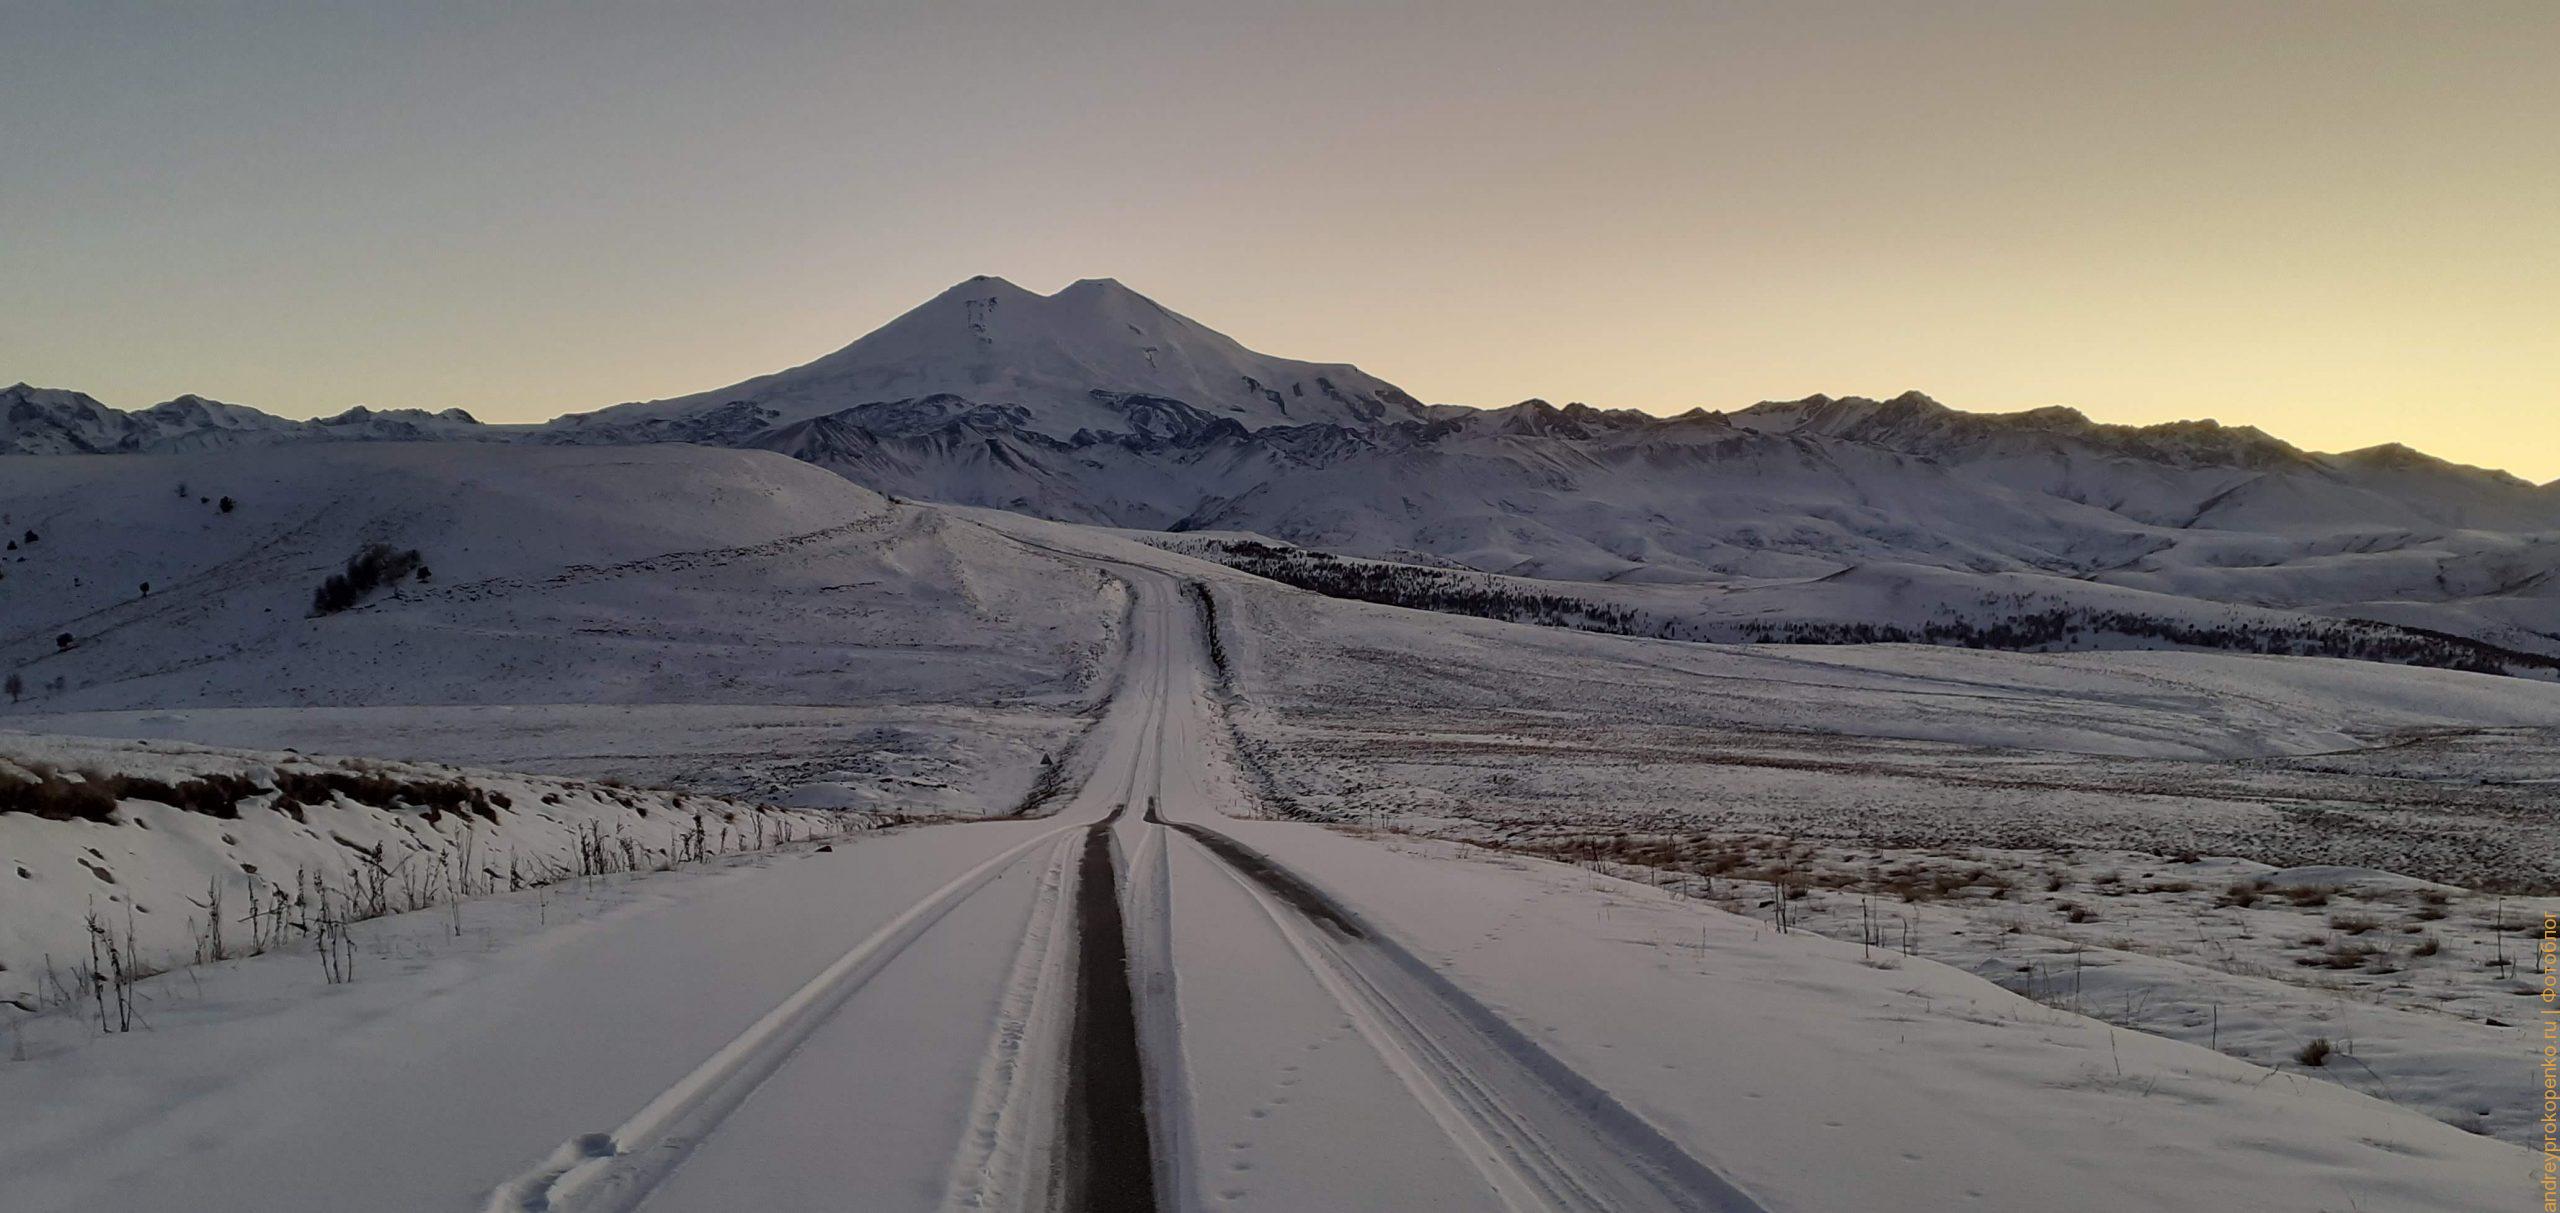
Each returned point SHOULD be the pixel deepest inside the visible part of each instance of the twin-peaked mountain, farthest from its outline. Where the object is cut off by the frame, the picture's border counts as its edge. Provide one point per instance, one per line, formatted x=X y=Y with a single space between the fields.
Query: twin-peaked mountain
x=1096 y=359
x=1098 y=405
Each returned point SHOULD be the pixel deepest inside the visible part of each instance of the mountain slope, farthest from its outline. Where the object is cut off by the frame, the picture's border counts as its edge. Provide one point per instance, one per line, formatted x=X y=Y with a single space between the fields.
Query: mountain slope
x=1580 y=494
x=661 y=575
x=2178 y=474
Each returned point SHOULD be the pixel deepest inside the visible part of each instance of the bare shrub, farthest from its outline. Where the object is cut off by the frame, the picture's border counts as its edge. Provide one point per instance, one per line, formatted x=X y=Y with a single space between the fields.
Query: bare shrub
x=2341 y=954
x=54 y=798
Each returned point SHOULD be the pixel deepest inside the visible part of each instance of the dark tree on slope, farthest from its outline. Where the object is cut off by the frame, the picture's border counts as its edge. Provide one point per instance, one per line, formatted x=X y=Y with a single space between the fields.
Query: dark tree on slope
x=373 y=567
x=16 y=686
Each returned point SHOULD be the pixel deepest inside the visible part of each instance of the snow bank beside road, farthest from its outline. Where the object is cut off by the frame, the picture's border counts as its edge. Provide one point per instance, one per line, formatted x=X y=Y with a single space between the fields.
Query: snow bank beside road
x=908 y=759
x=275 y=845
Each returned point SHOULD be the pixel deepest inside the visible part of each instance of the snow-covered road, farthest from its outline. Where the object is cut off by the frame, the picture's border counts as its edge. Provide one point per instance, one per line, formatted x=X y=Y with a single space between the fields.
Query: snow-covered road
x=988 y=1046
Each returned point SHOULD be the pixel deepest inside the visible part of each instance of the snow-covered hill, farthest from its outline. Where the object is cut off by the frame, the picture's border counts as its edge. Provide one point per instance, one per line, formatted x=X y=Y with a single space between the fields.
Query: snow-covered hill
x=661 y=575
x=1583 y=494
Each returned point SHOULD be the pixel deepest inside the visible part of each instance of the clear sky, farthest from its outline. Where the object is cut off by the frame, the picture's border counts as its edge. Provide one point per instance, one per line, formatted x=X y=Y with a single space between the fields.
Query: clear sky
x=2337 y=221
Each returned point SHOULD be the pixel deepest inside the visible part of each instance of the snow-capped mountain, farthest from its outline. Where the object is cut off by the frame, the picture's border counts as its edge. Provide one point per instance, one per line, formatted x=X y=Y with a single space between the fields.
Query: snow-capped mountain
x=1094 y=358
x=51 y=421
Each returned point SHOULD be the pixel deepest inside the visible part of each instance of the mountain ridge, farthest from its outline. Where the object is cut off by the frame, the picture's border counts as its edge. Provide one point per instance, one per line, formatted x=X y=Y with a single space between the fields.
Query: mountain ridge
x=1095 y=404
x=24 y=395
x=1110 y=397
x=60 y=421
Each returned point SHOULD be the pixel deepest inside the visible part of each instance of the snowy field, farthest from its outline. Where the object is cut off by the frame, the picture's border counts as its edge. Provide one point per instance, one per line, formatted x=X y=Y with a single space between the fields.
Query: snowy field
x=2247 y=854
x=919 y=759
x=2284 y=760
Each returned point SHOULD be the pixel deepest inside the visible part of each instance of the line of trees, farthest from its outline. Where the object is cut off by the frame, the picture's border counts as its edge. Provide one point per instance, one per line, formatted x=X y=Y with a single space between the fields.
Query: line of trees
x=1441 y=590
x=2017 y=629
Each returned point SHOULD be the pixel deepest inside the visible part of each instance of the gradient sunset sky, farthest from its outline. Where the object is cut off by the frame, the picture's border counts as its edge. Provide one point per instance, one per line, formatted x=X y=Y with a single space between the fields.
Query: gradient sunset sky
x=2339 y=222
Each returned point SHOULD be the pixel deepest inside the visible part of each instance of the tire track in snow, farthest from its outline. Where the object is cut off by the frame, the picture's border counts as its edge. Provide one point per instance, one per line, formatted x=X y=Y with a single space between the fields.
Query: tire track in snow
x=1004 y=1156
x=1152 y=976
x=616 y=1170
x=1544 y=1138
x=1100 y=1151
x=1108 y=1155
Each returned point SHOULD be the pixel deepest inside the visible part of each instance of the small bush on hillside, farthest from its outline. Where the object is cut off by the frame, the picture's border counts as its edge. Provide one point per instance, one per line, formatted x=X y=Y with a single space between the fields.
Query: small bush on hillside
x=94 y=795
x=211 y=795
x=375 y=566
x=386 y=792
x=54 y=798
